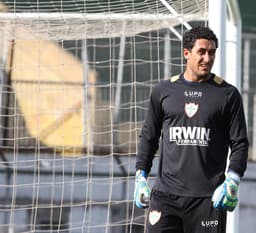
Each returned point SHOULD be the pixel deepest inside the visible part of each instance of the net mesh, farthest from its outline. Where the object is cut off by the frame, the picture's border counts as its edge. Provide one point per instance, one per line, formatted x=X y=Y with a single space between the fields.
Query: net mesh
x=75 y=83
x=96 y=19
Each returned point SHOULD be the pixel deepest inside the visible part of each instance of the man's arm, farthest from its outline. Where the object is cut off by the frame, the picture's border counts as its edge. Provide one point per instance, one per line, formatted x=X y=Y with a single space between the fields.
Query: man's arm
x=237 y=134
x=225 y=197
x=149 y=139
x=150 y=133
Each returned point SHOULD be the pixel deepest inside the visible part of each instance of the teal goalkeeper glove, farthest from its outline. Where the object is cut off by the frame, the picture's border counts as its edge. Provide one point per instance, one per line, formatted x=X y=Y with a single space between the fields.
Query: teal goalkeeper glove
x=225 y=196
x=142 y=190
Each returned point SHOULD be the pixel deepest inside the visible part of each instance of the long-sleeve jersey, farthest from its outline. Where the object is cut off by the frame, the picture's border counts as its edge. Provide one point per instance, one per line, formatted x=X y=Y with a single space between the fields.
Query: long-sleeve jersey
x=199 y=123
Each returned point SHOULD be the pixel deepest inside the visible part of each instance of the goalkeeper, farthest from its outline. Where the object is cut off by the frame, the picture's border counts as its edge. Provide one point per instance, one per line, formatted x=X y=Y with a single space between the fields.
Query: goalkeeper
x=199 y=118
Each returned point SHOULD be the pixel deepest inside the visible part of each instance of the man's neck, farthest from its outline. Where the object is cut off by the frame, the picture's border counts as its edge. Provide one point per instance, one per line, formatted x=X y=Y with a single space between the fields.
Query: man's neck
x=194 y=78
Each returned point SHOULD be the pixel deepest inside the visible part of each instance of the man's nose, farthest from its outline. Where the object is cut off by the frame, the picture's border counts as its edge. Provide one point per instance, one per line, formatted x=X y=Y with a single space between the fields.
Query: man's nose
x=208 y=57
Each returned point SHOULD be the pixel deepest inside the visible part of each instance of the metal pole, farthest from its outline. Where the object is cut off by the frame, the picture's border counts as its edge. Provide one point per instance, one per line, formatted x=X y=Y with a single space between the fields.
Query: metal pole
x=175 y=13
x=87 y=130
x=167 y=55
x=217 y=22
x=116 y=117
x=119 y=76
x=246 y=76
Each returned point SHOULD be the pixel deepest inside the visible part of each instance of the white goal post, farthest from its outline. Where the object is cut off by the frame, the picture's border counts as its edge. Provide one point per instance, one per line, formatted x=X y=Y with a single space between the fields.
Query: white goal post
x=75 y=78
x=225 y=20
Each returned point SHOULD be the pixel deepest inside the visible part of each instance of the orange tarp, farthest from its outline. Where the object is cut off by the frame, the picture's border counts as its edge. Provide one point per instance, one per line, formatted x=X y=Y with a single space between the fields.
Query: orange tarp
x=48 y=84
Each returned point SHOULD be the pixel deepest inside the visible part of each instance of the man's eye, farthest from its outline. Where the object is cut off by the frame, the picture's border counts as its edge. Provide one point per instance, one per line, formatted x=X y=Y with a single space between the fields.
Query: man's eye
x=212 y=53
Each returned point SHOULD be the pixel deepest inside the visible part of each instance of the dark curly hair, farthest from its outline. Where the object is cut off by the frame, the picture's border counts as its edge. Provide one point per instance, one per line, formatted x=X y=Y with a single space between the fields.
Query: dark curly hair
x=198 y=32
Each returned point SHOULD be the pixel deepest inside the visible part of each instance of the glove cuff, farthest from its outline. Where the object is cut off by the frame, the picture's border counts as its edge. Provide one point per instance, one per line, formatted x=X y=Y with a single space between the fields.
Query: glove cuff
x=142 y=173
x=234 y=176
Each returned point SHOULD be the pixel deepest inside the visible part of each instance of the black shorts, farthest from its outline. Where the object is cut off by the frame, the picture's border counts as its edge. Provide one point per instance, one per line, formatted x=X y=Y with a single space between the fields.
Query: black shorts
x=176 y=214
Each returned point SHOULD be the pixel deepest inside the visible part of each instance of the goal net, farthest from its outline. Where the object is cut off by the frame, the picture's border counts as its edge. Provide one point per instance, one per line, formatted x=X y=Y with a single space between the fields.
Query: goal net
x=75 y=79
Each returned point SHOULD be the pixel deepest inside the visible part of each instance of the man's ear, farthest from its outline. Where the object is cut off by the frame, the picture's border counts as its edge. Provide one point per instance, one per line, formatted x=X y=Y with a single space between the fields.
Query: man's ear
x=186 y=53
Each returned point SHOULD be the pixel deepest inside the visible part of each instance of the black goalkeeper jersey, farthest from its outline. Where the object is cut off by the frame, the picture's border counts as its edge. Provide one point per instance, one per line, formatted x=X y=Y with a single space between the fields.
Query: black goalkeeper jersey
x=198 y=123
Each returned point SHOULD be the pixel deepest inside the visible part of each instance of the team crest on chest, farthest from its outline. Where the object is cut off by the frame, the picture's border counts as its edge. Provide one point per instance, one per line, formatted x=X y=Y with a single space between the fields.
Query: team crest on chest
x=191 y=109
x=154 y=217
